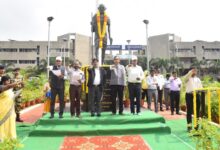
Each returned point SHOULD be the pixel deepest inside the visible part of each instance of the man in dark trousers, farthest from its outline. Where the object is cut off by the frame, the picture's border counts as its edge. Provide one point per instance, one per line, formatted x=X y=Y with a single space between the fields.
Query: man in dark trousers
x=117 y=83
x=96 y=83
x=57 y=75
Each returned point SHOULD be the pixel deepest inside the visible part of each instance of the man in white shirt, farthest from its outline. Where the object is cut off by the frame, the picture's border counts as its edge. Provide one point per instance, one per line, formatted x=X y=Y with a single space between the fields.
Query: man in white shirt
x=135 y=77
x=161 y=81
x=167 y=91
x=96 y=84
x=152 y=82
x=175 y=84
x=192 y=83
x=76 y=77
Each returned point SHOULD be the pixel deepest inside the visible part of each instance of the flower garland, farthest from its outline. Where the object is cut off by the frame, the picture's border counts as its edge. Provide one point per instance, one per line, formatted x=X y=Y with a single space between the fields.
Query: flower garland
x=102 y=32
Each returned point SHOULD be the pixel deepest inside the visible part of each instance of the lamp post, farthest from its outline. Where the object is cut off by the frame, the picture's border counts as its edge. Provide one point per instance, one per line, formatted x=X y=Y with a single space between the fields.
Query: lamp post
x=64 y=51
x=129 y=41
x=49 y=19
x=146 y=22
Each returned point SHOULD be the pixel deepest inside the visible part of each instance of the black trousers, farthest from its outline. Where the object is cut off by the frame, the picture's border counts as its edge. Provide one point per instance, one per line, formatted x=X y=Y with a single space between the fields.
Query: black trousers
x=54 y=93
x=117 y=91
x=75 y=94
x=95 y=96
x=134 y=92
x=144 y=94
x=160 y=96
x=175 y=100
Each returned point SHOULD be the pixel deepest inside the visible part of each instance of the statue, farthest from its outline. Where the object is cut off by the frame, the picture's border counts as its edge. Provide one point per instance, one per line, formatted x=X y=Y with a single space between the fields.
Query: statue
x=99 y=23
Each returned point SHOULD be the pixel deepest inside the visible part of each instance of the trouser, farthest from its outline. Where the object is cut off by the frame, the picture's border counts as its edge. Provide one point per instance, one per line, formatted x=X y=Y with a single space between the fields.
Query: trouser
x=144 y=94
x=167 y=97
x=160 y=96
x=95 y=95
x=18 y=107
x=151 y=93
x=200 y=100
x=75 y=94
x=54 y=93
x=134 y=92
x=175 y=98
x=117 y=91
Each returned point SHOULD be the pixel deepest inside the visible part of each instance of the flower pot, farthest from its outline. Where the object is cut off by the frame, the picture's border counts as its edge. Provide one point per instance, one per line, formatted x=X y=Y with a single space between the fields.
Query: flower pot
x=127 y=103
x=22 y=105
x=183 y=107
x=32 y=102
x=38 y=100
x=27 y=103
x=142 y=102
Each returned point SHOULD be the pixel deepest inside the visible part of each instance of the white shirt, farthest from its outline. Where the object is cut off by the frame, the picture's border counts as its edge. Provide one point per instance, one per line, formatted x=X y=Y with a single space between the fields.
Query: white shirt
x=152 y=82
x=97 y=79
x=135 y=72
x=175 y=84
x=161 y=81
x=167 y=84
x=75 y=75
x=192 y=83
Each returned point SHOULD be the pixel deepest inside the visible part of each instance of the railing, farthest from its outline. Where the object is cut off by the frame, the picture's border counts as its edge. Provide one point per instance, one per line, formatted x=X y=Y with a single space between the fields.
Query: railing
x=208 y=90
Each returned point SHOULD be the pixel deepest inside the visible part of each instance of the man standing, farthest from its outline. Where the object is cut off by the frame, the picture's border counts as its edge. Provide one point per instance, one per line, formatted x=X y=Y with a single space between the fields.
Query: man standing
x=17 y=78
x=152 y=82
x=175 y=84
x=160 y=80
x=57 y=86
x=192 y=83
x=135 y=77
x=76 y=77
x=144 y=86
x=117 y=83
x=167 y=91
x=96 y=83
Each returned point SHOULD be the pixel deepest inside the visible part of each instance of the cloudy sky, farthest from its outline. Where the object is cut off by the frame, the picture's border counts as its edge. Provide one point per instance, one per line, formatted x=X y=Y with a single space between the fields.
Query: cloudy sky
x=190 y=19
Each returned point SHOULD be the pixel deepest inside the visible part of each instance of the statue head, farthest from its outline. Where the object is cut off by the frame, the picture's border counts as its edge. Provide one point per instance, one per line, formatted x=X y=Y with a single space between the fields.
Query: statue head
x=102 y=8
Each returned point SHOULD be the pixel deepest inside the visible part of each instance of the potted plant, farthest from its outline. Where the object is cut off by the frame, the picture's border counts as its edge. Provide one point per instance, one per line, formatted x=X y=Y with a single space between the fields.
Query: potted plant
x=183 y=107
x=126 y=100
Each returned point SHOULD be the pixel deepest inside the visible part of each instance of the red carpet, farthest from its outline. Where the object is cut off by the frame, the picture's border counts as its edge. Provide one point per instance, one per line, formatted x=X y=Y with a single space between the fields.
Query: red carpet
x=134 y=142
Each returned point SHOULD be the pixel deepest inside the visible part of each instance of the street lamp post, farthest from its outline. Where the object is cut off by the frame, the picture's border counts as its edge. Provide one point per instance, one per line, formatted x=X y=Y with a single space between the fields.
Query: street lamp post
x=147 y=52
x=128 y=41
x=49 y=19
x=64 y=51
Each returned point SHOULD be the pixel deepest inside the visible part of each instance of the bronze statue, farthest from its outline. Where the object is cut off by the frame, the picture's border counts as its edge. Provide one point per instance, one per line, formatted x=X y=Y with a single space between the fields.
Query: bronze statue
x=99 y=23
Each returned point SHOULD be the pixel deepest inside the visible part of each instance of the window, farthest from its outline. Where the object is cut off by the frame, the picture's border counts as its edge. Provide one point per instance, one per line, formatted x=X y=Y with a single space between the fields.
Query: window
x=27 y=61
x=10 y=61
x=27 y=49
x=8 y=50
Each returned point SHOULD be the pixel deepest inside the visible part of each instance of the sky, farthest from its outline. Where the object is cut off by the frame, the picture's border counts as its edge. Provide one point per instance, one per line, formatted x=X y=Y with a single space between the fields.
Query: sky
x=190 y=19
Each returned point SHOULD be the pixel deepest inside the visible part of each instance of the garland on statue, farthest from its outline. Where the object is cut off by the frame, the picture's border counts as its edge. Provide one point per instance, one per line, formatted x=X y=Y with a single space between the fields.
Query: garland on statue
x=101 y=31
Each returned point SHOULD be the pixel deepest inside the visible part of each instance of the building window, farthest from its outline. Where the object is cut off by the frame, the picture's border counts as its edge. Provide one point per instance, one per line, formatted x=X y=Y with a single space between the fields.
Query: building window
x=8 y=49
x=27 y=49
x=9 y=61
x=27 y=61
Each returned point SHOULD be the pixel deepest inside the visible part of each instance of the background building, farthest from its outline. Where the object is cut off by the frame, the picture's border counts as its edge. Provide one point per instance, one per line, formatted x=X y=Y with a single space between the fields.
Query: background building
x=167 y=46
x=30 y=53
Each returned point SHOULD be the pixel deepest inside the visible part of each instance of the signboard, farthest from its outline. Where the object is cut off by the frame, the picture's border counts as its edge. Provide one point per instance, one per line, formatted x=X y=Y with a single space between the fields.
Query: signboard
x=114 y=47
x=134 y=47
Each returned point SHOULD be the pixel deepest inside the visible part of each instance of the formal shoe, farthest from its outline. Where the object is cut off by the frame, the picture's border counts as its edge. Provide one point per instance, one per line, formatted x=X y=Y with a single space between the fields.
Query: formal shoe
x=98 y=115
x=139 y=114
x=92 y=115
x=178 y=113
x=167 y=108
x=161 y=110
x=172 y=113
x=60 y=116
x=19 y=120
x=51 y=117
x=189 y=129
x=78 y=116
x=113 y=114
x=121 y=113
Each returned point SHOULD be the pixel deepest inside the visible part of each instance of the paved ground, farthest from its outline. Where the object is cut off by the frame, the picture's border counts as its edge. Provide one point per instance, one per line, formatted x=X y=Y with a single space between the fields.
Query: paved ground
x=33 y=113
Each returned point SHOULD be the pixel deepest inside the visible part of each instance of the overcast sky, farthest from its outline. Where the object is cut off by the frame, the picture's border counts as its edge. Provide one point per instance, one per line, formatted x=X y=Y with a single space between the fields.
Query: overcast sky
x=189 y=19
